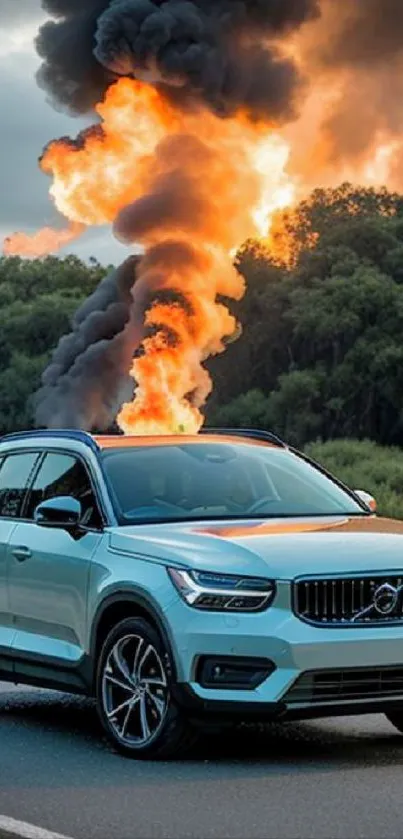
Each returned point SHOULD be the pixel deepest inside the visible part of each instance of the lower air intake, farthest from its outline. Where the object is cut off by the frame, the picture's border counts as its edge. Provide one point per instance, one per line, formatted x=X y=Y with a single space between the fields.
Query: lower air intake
x=317 y=687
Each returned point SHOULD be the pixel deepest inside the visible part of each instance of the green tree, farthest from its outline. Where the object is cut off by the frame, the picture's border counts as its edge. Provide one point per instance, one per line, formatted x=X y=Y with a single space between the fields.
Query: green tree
x=254 y=361
x=322 y=337
x=37 y=301
x=362 y=464
x=325 y=209
x=249 y=410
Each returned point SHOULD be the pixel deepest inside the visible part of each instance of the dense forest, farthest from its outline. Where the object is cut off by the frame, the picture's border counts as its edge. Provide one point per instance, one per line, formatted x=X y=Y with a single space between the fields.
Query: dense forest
x=322 y=352
x=321 y=355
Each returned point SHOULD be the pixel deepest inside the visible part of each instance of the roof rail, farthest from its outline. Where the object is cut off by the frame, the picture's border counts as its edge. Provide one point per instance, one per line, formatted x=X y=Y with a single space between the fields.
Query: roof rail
x=54 y=434
x=254 y=433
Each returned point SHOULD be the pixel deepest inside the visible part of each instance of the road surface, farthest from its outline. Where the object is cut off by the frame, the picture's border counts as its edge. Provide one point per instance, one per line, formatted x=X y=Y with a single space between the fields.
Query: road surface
x=325 y=780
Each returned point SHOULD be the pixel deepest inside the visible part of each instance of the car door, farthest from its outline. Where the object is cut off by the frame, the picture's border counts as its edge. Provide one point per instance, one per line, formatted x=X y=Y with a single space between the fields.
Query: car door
x=49 y=571
x=15 y=471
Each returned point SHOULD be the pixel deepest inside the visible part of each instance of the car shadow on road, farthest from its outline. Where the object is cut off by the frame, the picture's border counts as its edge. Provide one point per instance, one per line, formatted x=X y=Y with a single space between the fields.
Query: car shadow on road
x=291 y=747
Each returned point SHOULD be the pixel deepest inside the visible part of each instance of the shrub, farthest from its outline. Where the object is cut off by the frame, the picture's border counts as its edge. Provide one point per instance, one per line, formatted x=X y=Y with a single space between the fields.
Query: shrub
x=362 y=464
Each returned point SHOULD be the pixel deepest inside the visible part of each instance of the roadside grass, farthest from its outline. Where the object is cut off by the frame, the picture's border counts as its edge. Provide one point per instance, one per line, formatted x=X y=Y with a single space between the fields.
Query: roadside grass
x=363 y=464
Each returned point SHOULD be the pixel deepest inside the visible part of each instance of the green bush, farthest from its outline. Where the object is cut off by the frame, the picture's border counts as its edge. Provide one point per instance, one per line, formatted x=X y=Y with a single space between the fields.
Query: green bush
x=368 y=466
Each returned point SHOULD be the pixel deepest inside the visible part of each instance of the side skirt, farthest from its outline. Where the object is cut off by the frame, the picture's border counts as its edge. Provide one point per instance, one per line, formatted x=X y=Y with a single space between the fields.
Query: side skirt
x=46 y=673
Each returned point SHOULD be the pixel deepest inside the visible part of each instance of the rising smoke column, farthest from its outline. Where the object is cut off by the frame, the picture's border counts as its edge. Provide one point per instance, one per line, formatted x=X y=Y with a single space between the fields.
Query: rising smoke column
x=184 y=92
x=105 y=330
x=187 y=213
x=354 y=117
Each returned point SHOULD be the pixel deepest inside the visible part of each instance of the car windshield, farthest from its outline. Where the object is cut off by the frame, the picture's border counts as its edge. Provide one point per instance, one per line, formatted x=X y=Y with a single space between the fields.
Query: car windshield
x=208 y=480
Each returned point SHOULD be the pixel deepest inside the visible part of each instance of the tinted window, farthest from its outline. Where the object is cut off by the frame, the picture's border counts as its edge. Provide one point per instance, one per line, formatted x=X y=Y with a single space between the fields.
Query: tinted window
x=62 y=474
x=201 y=480
x=14 y=476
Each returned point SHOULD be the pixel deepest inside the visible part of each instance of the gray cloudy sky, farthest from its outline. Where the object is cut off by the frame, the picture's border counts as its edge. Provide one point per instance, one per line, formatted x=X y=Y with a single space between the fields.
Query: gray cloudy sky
x=27 y=123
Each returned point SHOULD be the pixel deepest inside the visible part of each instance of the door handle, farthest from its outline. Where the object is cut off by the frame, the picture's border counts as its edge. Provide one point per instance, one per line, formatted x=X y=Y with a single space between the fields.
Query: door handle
x=21 y=553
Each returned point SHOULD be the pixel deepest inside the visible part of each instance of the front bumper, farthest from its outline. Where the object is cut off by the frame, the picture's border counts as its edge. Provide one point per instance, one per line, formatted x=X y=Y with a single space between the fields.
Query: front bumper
x=297 y=650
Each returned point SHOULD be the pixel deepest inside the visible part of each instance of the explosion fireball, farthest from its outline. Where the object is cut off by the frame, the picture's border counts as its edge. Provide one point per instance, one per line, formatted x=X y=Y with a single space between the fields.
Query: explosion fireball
x=185 y=158
x=185 y=94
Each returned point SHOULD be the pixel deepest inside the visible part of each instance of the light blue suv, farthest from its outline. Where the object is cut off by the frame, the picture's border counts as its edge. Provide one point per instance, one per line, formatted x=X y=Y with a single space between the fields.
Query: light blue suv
x=188 y=581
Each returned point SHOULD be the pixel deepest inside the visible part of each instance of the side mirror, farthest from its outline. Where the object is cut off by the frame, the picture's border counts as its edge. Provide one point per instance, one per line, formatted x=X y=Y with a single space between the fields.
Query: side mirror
x=64 y=512
x=368 y=499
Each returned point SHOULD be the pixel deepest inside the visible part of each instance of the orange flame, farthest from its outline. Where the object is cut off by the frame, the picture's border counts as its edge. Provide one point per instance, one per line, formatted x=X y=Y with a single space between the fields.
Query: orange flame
x=43 y=242
x=111 y=165
x=169 y=371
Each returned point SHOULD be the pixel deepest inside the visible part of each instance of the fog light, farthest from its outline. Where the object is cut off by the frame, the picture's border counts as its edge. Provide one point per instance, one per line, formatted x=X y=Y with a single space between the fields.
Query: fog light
x=233 y=673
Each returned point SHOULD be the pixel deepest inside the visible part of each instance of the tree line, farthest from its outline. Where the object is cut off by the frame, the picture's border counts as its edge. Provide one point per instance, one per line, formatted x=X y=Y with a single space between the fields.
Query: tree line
x=321 y=354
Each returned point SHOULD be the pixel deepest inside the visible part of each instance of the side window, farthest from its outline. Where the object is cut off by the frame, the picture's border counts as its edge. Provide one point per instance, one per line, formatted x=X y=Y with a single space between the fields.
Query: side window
x=63 y=474
x=14 y=476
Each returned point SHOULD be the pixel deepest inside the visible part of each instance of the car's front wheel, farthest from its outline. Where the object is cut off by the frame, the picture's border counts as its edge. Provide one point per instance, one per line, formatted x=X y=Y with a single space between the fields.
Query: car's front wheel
x=396 y=718
x=134 y=699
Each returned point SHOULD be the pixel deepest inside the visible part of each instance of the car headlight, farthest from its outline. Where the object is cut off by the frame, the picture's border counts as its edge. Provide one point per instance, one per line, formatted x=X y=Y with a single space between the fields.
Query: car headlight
x=223 y=592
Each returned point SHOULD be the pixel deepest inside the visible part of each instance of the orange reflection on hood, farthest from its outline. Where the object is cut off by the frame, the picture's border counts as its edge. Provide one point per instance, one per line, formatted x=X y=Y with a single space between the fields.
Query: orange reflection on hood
x=366 y=524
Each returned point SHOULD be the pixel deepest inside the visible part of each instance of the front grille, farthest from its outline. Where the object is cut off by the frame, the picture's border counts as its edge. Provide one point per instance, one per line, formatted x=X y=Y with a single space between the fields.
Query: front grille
x=318 y=687
x=336 y=601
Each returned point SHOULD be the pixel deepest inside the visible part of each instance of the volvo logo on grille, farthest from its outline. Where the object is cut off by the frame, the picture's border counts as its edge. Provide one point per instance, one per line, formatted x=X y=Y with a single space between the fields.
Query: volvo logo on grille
x=385 y=602
x=385 y=599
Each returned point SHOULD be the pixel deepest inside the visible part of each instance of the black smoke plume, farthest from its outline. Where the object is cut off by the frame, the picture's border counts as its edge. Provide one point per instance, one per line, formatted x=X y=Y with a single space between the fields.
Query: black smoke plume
x=222 y=53
x=85 y=383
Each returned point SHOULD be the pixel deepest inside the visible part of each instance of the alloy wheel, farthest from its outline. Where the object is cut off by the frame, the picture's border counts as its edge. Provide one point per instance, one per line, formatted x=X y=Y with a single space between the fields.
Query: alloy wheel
x=135 y=693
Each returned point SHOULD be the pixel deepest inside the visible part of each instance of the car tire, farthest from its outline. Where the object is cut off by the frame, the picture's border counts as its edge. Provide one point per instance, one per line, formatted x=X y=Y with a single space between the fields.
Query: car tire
x=133 y=691
x=396 y=718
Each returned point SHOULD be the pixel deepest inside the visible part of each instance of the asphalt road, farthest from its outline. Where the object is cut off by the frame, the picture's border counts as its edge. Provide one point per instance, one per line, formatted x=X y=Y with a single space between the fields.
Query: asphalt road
x=328 y=779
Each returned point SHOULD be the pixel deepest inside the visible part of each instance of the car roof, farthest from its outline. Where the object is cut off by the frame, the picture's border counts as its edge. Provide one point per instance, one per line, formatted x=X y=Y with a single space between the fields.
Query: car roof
x=131 y=441
x=100 y=442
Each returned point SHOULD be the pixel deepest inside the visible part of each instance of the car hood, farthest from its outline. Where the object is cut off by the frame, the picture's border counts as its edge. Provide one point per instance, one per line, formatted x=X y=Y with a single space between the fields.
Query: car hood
x=277 y=548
